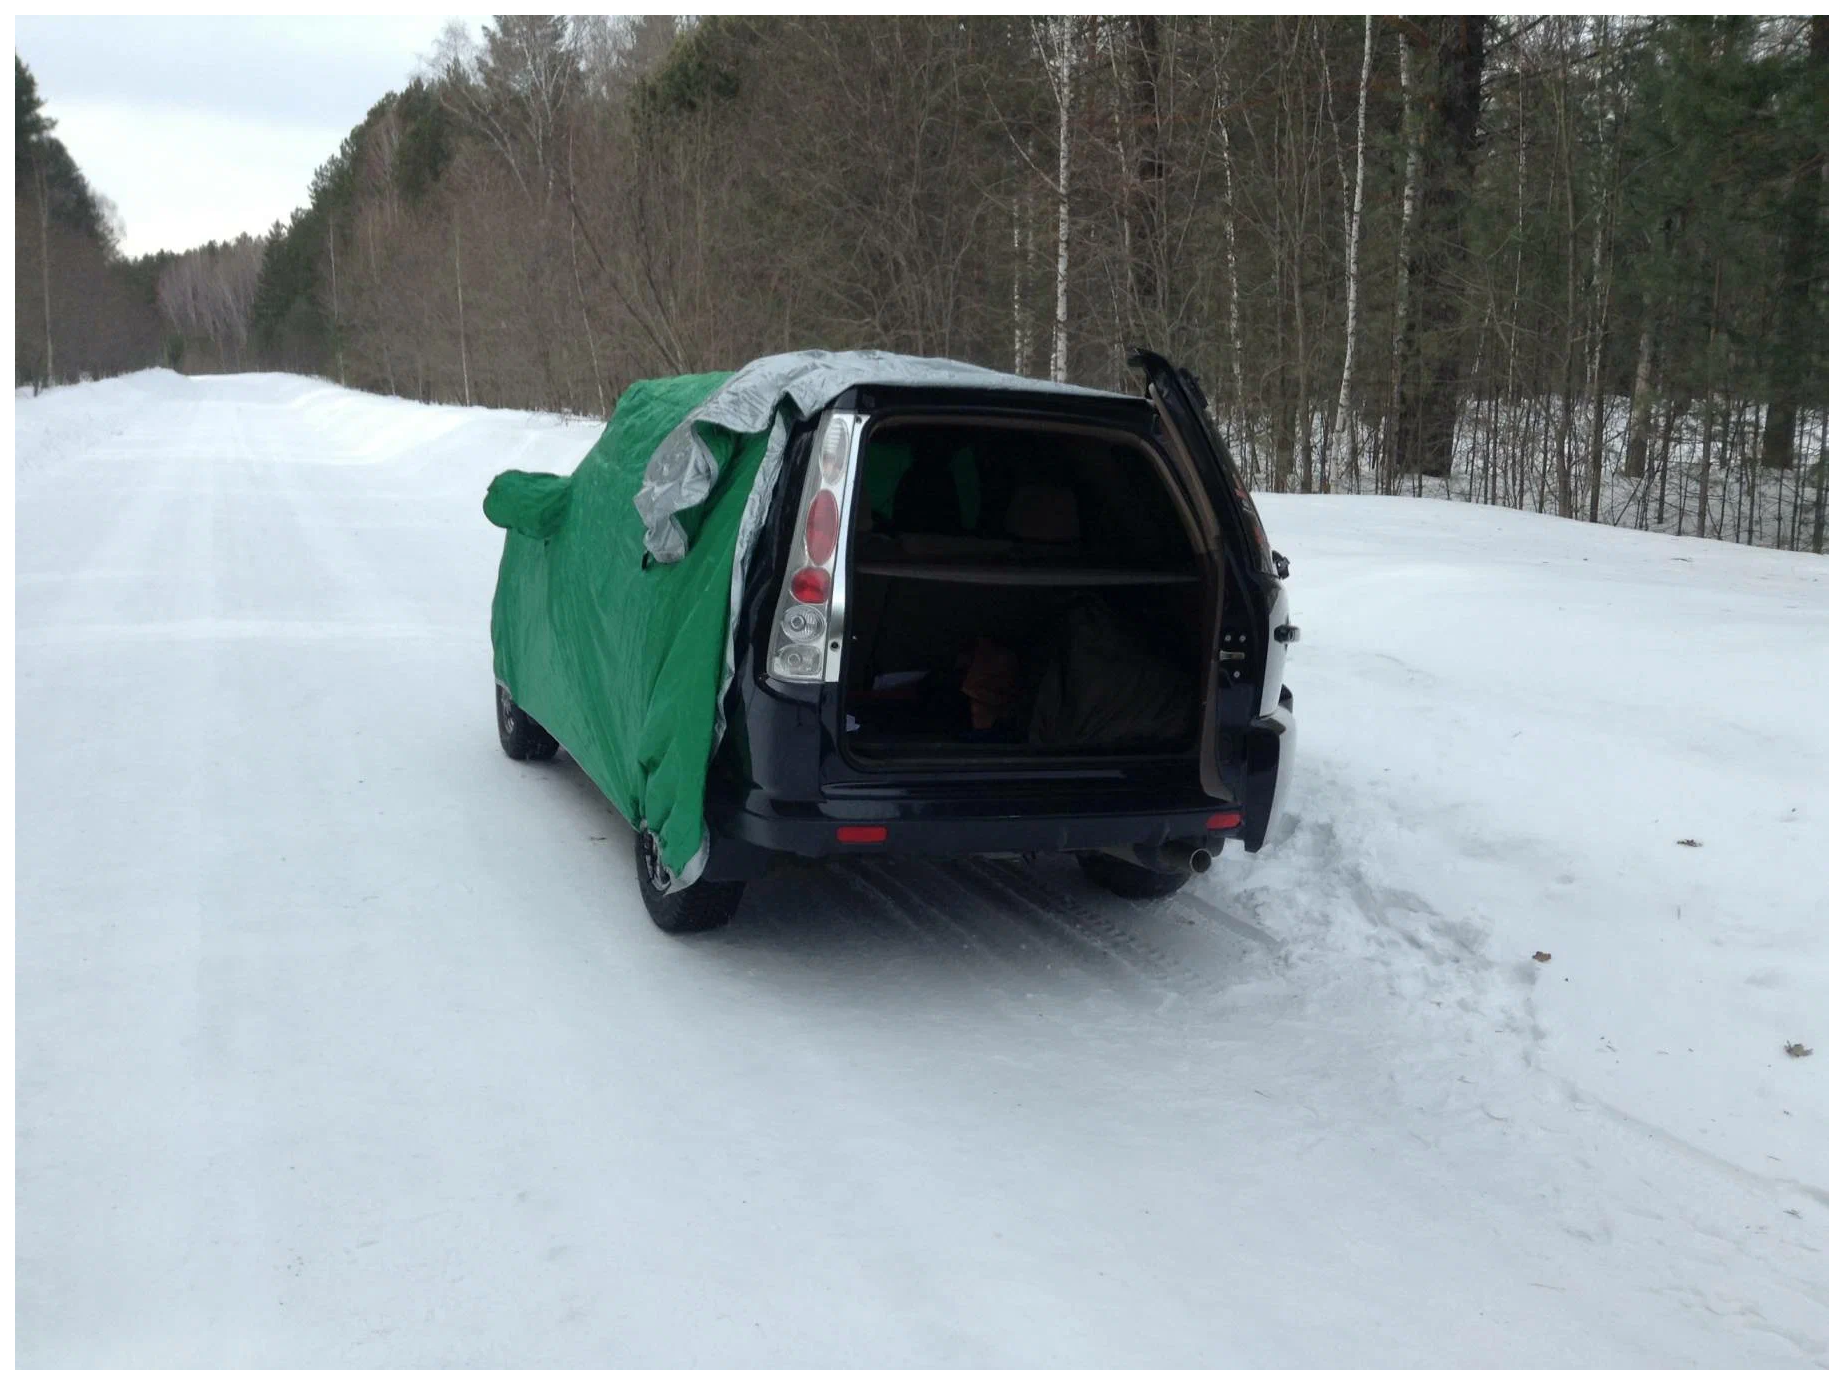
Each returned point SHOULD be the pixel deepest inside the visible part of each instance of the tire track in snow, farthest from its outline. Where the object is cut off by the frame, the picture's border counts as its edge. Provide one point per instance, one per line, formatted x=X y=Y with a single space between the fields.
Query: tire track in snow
x=894 y=919
x=1045 y=941
x=1156 y=967
x=987 y=928
x=885 y=922
x=932 y=927
x=916 y=908
x=819 y=906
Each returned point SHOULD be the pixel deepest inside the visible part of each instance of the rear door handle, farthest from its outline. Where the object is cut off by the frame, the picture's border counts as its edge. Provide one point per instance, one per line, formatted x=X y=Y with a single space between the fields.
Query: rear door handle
x=1287 y=634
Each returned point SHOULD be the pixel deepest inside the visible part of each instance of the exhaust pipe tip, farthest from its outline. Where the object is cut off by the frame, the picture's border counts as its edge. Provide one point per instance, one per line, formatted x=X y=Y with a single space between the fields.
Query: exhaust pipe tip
x=1170 y=858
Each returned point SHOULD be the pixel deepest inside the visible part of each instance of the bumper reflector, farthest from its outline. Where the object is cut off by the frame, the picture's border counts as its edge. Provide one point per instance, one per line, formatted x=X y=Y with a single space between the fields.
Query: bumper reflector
x=1223 y=822
x=862 y=835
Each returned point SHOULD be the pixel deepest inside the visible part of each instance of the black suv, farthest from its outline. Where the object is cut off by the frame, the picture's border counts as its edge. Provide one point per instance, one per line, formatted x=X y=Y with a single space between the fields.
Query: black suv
x=991 y=621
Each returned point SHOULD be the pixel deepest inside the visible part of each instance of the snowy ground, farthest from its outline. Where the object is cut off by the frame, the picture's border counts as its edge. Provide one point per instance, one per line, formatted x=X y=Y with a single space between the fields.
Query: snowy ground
x=343 y=1040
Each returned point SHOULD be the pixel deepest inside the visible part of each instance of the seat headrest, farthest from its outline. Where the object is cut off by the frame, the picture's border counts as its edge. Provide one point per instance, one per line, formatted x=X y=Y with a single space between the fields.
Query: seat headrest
x=1043 y=514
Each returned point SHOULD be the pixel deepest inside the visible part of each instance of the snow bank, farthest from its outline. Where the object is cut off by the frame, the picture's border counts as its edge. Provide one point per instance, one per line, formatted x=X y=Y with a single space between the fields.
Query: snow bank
x=1514 y=723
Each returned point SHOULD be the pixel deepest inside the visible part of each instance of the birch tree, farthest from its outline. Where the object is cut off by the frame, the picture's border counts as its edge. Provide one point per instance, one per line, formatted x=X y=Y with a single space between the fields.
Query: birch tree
x=1345 y=420
x=1238 y=405
x=1412 y=134
x=1056 y=48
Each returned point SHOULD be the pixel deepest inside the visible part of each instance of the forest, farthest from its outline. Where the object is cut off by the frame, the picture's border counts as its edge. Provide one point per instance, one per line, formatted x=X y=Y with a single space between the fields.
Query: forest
x=1571 y=264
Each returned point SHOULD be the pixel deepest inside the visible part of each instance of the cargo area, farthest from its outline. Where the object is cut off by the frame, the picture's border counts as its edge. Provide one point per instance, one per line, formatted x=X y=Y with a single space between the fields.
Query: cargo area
x=1018 y=590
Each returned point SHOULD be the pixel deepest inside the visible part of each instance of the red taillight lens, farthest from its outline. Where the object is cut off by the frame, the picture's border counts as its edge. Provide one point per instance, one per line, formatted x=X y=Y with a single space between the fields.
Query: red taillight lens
x=822 y=527
x=859 y=836
x=811 y=585
x=1223 y=822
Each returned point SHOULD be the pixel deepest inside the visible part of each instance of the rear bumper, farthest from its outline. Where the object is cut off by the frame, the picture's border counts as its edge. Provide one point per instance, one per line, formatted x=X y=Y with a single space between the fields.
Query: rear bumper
x=749 y=827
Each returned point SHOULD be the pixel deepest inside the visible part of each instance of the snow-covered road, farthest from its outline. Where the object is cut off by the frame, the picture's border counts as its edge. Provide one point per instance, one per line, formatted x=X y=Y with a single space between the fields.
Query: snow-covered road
x=342 y=1040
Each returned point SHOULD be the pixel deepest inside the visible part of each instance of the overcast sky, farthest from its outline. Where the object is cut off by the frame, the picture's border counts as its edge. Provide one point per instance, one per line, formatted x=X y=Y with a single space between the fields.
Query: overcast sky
x=199 y=129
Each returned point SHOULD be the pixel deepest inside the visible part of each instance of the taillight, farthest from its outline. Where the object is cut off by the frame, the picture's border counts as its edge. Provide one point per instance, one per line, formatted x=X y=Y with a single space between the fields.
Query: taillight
x=803 y=624
x=811 y=608
x=822 y=527
x=862 y=836
x=1223 y=822
x=810 y=584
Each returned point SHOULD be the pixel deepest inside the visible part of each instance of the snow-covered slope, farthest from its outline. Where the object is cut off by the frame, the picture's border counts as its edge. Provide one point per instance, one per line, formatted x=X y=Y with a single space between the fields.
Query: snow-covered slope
x=343 y=1040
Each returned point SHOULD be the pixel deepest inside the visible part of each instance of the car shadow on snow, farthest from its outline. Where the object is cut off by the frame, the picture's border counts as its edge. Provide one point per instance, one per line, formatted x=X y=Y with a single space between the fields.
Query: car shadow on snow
x=1009 y=923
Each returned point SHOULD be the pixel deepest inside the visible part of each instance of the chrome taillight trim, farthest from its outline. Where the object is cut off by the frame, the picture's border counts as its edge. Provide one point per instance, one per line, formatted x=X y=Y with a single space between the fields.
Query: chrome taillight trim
x=831 y=644
x=835 y=623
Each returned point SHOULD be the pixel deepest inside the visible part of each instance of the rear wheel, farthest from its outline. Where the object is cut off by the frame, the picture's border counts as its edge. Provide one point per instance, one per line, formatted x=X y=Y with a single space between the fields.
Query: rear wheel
x=520 y=736
x=1128 y=880
x=698 y=908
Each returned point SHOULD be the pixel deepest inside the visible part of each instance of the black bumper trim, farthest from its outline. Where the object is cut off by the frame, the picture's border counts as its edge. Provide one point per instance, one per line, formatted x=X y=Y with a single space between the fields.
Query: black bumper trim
x=749 y=829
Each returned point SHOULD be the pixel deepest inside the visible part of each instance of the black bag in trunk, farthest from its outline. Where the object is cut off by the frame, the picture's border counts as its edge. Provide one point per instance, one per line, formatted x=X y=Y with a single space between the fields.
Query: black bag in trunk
x=1103 y=686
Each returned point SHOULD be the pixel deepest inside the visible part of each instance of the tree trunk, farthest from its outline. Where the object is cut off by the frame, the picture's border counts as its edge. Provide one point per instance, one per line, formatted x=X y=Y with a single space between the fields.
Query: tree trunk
x=1412 y=122
x=1144 y=270
x=1703 y=466
x=1425 y=427
x=1565 y=446
x=1303 y=431
x=339 y=350
x=1125 y=282
x=1517 y=293
x=467 y=389
x=1709 y=413
x=1802 y=250
x=44 y=263
x=1672 y=415
x=1732 y=428
x=1344 y=424
x=1283 y=421
x=1064 y=28
x=582 y=306
x=1239 y=402
x=1640 y=421
x=1597 y=423
x=1281 y=414
x=1597 y=327
x=1030 y=284
x=1824 y=481
x=1018 y=362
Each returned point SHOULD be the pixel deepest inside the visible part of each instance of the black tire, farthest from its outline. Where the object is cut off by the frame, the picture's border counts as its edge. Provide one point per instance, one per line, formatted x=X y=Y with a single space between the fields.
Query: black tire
x=1128 y=880
x=520 y=736
x=698 y=908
